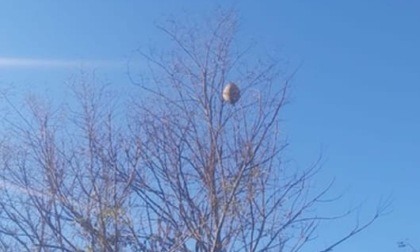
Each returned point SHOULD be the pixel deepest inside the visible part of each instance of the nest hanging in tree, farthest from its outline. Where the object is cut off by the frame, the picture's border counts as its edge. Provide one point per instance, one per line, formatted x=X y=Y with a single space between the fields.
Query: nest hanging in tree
x=231 y=93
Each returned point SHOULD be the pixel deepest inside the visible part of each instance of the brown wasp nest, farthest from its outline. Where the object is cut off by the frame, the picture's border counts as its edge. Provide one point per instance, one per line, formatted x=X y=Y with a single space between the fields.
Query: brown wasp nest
x=231 y=93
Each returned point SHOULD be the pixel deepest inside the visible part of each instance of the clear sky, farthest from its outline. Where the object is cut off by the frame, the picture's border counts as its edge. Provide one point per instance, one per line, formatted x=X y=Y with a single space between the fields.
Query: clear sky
x=355 y=98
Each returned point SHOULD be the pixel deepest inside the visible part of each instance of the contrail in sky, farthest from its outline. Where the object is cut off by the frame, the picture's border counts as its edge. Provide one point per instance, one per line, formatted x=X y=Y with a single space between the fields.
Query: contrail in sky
x=53 y=63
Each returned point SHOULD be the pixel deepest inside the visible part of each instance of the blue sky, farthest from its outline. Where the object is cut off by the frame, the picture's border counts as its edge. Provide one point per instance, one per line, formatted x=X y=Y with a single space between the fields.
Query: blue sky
x=355 y=98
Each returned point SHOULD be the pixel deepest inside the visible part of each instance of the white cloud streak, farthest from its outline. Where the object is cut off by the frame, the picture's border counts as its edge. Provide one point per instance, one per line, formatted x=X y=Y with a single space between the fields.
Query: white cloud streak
x=53 y=63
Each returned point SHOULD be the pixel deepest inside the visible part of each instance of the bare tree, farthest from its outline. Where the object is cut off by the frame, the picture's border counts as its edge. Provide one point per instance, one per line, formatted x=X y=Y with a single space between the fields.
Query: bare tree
x=213 y=175
x=183 y=167
x=60 y=187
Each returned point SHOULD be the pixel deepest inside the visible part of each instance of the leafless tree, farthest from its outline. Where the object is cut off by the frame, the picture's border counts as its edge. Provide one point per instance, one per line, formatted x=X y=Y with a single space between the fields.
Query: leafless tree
x=176 y=169
x=59 y=183
x=213 y=175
